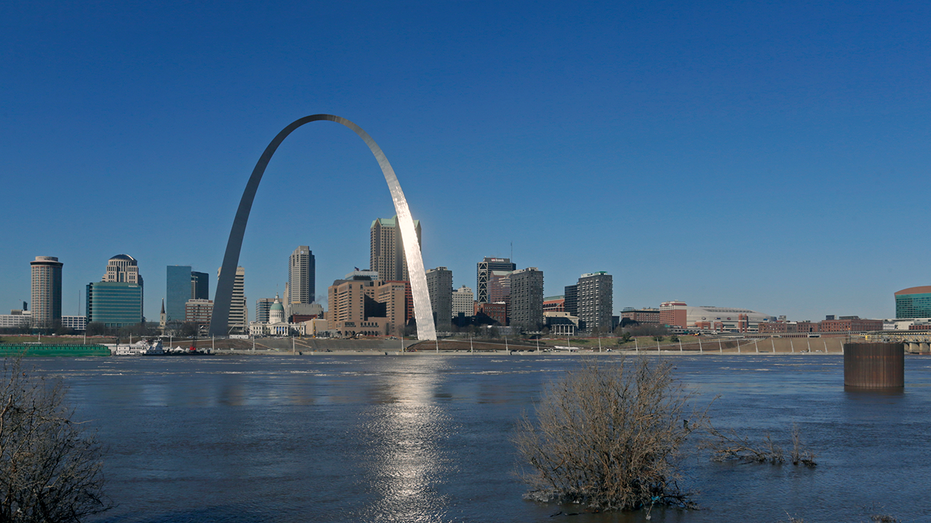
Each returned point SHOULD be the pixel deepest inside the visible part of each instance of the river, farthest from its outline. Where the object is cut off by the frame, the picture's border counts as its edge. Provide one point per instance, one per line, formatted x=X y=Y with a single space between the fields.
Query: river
x=427 y=438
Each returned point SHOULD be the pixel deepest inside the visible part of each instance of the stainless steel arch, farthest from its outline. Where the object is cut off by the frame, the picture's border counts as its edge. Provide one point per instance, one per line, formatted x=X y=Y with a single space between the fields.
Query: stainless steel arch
x=423 y=311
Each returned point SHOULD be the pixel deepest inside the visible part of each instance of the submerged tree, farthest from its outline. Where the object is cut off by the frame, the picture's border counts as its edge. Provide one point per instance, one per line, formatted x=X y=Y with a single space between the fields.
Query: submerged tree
x=50 y=466
x=726 y=445
x=608 y=436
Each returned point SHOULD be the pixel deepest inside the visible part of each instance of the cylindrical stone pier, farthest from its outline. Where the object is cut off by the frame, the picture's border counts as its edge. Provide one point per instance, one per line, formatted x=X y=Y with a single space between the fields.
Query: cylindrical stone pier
x=874 y=365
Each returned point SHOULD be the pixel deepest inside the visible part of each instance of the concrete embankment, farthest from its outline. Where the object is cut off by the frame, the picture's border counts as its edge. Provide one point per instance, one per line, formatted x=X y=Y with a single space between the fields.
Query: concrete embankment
x=752 y=346
x=305 y=346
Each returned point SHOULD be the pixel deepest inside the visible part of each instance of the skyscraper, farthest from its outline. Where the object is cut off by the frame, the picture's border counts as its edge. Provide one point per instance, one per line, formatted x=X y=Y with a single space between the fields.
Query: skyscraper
x=123 y=268
x=387 y=249
x=595 y=301
x=262 y=308
x=440 y=285
x=183 y=284
x=526 y=308
x=177 y=292
x=200 y=286
x=46 y=290
x=239 y=311
x=572 y=299
x=483 y=275
x=301 y=275
x=463 y=302
x=117 y=301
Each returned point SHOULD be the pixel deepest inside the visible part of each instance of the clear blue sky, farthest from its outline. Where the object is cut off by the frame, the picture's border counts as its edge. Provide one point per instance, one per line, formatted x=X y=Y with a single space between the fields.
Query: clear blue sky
x=773 y=156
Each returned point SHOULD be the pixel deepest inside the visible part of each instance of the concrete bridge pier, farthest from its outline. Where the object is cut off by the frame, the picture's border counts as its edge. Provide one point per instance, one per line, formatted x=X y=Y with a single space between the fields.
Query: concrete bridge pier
x=874 y=365
x=924 y=347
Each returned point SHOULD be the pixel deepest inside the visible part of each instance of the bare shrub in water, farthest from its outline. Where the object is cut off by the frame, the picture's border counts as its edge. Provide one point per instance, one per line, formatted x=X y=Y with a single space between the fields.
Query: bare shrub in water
x=607 y=435
x=730 y=445
x=50 y=468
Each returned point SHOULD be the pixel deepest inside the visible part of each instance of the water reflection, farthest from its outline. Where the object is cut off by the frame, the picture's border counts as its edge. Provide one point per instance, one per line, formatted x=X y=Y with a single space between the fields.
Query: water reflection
x=427 y=438
x=403 y=433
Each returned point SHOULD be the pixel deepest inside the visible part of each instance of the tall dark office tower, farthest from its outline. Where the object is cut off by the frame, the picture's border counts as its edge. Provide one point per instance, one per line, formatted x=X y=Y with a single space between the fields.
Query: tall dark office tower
x=526 y=308
x=440 y=285
x=595 y=301
x=387 y=249
x=46 y=290
x=200 y=286
x=177 y=292
x=572 y=299
x=301 y=275
x=484 y=273
x=183 y=284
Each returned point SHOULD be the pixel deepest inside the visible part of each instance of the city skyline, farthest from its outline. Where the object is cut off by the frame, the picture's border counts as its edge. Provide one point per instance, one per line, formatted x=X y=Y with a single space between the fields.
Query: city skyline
x=752 y=156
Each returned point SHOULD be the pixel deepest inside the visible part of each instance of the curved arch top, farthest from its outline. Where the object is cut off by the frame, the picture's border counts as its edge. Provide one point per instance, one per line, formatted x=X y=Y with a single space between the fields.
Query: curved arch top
x=423 y=311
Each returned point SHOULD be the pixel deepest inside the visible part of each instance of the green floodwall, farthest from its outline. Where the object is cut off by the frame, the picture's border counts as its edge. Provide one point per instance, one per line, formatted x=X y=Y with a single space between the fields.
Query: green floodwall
x=48 y=350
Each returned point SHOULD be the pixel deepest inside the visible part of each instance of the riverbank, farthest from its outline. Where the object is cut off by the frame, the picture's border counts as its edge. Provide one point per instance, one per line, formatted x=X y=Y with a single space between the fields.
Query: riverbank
x=644 y=345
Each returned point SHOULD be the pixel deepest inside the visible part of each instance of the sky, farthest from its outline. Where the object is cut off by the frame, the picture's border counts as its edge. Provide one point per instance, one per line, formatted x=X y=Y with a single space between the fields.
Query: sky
x=766 y=155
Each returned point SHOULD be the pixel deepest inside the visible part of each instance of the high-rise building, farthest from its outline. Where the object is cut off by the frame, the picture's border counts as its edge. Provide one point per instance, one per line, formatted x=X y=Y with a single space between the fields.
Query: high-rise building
x=200 y=286
x=595 y=301
x=123 y=268
x=361 y=305
x=387 y=249
x=499 y=286
x=177 y=292
x=262 y=308
x=463 y=302
x=239 y=311
x=114 y=303
x=571 y=303
x=117 y=300
x=484 y=270
x=46 y=290
x=440 y=286
x=301 y=275
x=183 y=284
x=526 y=307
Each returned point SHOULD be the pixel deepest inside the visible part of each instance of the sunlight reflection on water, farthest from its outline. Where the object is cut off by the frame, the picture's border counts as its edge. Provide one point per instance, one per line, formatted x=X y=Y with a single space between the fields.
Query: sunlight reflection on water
x=427 y=438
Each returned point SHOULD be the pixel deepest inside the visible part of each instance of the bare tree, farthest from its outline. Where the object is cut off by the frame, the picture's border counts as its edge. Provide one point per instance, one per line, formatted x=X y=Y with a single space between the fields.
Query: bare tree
x=608 y=436
x=50 y=466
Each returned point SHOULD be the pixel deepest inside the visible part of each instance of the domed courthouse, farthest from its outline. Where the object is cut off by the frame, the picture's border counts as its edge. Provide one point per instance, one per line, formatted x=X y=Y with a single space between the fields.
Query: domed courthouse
x=276 y=326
